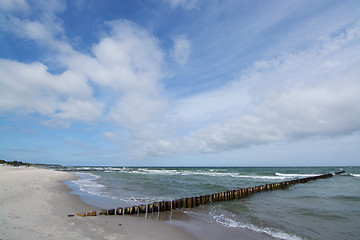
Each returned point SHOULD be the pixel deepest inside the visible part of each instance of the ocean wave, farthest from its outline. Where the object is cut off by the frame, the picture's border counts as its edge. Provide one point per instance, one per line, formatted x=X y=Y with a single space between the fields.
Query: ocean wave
x=156 y=171
x=295 y=175
x=211 y=173
x=87 y=183
x=355 y=175
x=139 y=200
x=226 y=221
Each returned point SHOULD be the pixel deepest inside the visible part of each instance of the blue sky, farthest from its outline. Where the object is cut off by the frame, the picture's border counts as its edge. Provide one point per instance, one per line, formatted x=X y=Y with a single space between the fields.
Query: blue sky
x=180 y=82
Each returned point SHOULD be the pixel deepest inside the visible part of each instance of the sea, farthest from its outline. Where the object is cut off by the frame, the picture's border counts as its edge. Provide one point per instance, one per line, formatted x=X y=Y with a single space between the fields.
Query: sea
x=320 y=209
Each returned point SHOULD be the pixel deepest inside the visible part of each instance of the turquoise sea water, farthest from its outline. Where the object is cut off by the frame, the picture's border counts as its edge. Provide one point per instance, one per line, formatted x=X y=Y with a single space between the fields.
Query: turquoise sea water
x=321 y=209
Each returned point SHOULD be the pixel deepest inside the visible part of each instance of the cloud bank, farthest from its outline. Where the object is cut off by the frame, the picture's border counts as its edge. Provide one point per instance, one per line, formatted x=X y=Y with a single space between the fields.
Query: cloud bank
x=307 y=94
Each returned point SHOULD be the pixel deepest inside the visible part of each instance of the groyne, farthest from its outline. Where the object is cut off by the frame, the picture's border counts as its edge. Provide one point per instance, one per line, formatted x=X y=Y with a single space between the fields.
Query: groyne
x=191 y=202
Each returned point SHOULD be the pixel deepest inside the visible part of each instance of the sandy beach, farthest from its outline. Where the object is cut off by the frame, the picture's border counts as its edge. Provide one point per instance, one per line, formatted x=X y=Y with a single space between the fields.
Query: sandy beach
x=35 y=204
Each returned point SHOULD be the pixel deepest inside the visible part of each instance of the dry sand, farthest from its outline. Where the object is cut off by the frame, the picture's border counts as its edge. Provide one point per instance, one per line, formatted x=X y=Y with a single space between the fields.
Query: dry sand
x=34 y=204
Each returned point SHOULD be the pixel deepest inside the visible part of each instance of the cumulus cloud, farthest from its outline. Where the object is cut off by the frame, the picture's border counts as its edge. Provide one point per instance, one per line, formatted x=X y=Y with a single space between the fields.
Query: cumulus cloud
x=124 y=65
x=127 y=62
x=181 y=49
x=30 y=88
x=186 y=4
x=307 y=94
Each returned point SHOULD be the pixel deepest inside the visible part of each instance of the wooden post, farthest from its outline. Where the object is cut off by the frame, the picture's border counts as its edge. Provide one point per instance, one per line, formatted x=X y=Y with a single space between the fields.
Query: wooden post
x=91 y=213
x=127 y=211
x=156 y=207
x=173 y=204
x=103 y=212
x=132 y=210
x=189 y=203
x=183 y=203
x=135 y=209
x=197 y=201
x=168 y=206
x=119 y=211
x=231 y=195
x=142 y=209
x=222 y=198
x=111 y=212
x=213 y=197
x=236 y=194
x=150 y=207
x=242 y=193
x=162 y=206
x=178 y=203
x=208 y=198
x=202 y=200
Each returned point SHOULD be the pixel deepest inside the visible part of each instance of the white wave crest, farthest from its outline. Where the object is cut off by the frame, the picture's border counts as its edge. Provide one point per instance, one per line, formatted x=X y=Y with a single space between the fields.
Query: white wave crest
x=211 y=173
x=293 y=175
x=231 y=223
x=227 y=222
x=87 y=183
x=355 y=175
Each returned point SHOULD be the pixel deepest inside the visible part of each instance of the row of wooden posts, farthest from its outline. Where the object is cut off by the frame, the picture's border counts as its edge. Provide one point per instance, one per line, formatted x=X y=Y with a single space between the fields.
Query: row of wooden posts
x=190 y=202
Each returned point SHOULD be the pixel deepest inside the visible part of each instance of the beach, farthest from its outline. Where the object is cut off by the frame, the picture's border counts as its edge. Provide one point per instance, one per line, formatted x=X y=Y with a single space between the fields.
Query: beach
x=35 y=204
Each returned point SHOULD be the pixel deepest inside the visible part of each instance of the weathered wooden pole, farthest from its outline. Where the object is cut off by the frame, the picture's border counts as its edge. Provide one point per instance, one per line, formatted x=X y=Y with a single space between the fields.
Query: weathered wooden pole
x=189 y=202
x=142 y=209
x=156 y=207
x=168 y=206
x=202 y=200
x=183 y=202
x=197 y=201
x=119 y=211
x=178 y=203
x=150 y=207
x=103 y=212
x=162 y=206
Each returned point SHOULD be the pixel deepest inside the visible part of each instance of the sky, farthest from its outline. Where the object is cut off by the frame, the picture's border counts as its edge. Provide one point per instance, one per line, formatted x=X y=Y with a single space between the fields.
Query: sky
x=180 y=82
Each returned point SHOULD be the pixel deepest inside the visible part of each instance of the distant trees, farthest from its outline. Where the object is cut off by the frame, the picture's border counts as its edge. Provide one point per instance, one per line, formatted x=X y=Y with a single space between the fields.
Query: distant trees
x=14 y=163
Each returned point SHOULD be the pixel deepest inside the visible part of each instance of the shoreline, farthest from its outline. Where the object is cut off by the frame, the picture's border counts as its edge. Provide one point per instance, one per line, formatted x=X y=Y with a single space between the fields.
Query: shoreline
x=199 y=228
x=35 y=204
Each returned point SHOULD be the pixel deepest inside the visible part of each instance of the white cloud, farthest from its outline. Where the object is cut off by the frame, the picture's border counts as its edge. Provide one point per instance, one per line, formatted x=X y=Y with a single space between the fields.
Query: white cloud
x=186 y=4
x=29 y=29
x=181 y=49
x=30 y=88
x=126 y=64
x=14 y=5
x=307 y=94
